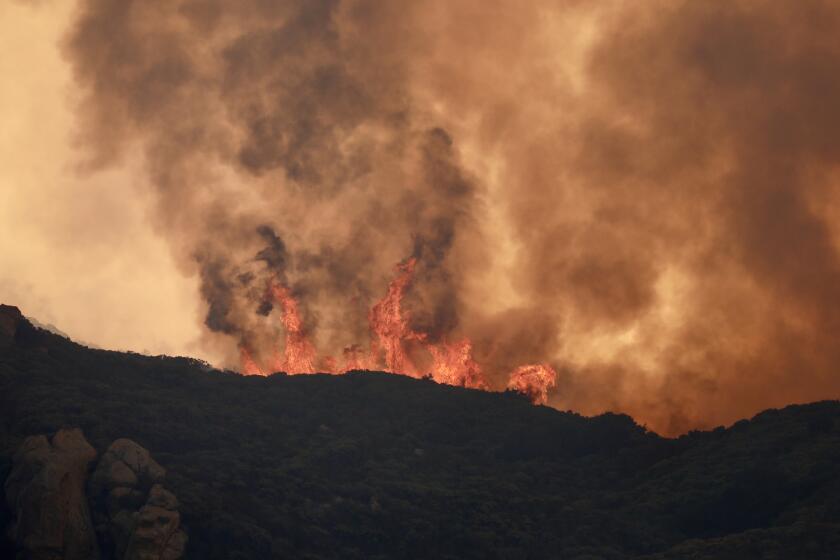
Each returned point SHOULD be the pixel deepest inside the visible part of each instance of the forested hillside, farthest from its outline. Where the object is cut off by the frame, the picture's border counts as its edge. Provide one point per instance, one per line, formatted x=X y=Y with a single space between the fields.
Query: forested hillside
x=372 y=465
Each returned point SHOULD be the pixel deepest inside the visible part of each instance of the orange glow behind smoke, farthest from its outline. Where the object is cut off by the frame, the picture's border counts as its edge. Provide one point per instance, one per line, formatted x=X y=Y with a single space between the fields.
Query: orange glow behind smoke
x=249 y=366
x=534 y=380
x=394 y=347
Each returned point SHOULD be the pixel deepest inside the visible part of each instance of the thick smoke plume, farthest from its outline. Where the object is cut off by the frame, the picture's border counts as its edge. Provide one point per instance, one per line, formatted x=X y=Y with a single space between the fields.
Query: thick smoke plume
x=644 y=195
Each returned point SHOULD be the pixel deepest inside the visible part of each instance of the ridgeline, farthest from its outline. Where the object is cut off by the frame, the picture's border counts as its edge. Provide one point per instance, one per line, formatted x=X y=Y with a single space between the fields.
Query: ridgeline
x=372 y=465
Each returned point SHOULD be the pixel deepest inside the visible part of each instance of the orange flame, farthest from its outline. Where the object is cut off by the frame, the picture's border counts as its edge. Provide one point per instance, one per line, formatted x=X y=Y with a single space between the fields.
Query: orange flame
x=393 y=348
x=454 y=365
x=534 y=380
x=390 y=324
x=299 y=354
x=249 y=366
x=357 y=358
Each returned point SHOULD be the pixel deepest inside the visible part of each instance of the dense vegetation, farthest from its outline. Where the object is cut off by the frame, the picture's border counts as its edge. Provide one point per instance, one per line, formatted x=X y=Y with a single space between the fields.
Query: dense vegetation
x=371 y=465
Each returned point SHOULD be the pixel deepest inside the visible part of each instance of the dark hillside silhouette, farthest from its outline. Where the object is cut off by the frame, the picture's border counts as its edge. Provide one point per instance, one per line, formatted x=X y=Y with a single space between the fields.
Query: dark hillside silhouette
x=372 y=465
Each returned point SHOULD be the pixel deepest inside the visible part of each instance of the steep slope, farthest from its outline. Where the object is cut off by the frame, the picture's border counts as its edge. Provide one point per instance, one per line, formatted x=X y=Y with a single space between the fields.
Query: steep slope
x=371 y=465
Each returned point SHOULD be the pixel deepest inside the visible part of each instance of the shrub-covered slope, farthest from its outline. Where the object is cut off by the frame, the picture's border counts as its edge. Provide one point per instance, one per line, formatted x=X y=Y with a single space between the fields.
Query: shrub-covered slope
x=372 y=465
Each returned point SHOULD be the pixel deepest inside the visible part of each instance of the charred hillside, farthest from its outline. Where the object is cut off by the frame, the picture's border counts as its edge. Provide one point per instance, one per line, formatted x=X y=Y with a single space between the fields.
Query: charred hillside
x=372 y=465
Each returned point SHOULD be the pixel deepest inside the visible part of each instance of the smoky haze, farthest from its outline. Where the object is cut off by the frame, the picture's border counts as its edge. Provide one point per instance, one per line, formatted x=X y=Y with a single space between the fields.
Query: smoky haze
x=645 y=195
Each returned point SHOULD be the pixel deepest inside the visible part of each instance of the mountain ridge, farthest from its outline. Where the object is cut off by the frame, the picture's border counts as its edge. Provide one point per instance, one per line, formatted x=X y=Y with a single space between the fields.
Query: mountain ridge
x=377 y=465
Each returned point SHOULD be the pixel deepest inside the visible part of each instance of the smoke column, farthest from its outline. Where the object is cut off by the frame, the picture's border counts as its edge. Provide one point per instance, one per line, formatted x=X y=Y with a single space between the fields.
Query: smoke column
x=645 y=196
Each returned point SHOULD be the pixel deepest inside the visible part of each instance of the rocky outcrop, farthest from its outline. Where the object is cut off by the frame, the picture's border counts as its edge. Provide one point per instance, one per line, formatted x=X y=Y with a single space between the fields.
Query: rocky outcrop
x=122 y=511
x=10 y=319
x=46 y=493
x=156 y=534
x=135 y=515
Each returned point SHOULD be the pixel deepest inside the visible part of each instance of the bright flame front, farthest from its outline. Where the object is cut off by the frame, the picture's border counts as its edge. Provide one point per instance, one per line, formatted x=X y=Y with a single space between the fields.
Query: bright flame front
x=394 y=347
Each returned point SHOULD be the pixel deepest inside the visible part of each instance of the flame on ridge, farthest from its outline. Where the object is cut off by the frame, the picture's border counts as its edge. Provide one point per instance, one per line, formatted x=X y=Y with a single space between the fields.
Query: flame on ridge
x=299 y=355
x=393 y=348
x=389 y=323
x=534 y=380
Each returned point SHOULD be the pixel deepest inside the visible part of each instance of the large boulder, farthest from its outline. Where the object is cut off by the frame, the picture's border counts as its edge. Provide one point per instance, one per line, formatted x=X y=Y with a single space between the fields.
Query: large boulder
x=157 y=535
x=126 y=465
x=46 y=493
x=136 y=517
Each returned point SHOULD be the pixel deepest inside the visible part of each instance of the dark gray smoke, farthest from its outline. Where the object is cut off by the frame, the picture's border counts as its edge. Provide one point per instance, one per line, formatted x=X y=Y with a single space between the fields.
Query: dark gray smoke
x=281 y=150
x=645 y=195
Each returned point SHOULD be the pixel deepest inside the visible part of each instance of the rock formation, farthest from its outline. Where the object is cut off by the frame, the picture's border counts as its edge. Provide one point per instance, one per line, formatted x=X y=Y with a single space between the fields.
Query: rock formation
x=126 y=514
x=46 y=493
x=156 y=534
x=135 y=516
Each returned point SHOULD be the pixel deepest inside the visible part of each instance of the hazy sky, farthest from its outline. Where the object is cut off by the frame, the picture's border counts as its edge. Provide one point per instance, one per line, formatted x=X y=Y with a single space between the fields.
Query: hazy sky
x=643 y=194
x=76 y=249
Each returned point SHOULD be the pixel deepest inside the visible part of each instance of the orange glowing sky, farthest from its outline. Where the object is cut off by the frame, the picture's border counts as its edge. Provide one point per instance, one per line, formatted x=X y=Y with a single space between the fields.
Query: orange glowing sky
x=76 y=250
x=643 y=195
